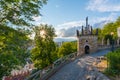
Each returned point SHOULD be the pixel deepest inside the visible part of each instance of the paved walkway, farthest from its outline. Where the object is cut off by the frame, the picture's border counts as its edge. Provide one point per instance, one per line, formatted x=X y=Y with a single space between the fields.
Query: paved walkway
x=78 y=69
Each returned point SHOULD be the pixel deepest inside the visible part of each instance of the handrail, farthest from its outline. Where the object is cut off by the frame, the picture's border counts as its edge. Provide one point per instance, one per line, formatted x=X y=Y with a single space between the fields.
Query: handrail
x=50 y=70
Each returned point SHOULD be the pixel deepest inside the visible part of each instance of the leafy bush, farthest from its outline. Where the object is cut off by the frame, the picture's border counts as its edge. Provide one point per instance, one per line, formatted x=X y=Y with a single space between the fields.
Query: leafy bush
x=114 y=62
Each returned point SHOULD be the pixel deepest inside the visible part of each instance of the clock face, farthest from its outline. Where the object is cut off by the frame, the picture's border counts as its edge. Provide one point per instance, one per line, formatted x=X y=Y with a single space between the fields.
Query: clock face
x=118 y=32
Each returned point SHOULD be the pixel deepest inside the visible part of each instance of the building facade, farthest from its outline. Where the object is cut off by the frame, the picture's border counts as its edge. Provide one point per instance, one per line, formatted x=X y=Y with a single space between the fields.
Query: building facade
x=87 y=41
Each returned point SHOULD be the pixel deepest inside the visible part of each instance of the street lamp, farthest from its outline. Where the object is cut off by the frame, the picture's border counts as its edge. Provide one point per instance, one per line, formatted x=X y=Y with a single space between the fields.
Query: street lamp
x=112 y=42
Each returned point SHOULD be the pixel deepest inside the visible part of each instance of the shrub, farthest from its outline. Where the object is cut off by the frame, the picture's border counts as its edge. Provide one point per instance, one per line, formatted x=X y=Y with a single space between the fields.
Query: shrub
x=114 y=62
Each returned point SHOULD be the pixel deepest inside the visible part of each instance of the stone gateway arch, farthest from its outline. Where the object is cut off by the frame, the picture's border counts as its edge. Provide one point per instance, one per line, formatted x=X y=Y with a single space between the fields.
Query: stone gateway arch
x=87 y=41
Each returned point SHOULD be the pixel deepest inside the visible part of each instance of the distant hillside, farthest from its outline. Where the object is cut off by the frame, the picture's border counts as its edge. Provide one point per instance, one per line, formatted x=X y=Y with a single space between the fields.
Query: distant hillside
x=65 y=39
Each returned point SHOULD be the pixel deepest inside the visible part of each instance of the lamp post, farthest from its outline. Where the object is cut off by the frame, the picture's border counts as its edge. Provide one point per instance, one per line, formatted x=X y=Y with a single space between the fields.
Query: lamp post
x=112 y=42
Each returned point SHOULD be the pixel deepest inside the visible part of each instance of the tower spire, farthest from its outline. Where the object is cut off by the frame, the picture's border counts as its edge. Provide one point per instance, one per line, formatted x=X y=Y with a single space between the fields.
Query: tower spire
x=82 y=31
x=87 y=21
x=77 y=33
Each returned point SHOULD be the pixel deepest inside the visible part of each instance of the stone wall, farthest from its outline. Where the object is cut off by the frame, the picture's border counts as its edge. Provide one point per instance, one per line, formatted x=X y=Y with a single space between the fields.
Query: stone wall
x=88 y=40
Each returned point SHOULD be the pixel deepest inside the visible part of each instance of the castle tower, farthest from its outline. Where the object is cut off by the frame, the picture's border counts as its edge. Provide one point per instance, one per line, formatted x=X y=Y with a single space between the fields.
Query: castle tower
x=87 y=41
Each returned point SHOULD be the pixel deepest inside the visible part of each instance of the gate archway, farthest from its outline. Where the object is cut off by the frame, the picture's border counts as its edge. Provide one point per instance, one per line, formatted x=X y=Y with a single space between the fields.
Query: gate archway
x=87 y=49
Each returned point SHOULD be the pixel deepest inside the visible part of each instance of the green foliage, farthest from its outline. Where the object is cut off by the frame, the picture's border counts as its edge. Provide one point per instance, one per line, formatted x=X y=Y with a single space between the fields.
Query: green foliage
x=114 y=62
x=19 y=12
x=67 y=48
x=108 y=28
x=13 y=45
x=74 y=46
x=44 y=52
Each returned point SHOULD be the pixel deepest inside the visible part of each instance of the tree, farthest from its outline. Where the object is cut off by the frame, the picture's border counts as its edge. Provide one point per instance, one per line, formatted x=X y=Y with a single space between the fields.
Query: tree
x=105 y=32
x=42 y=54
x=108 y=28
x=74 y=46
x=13 y=49
x=67 y=48
x=19 y=12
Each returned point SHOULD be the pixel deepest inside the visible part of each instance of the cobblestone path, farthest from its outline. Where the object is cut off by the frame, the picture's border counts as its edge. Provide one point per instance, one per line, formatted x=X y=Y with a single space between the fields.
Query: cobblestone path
x=77 y=70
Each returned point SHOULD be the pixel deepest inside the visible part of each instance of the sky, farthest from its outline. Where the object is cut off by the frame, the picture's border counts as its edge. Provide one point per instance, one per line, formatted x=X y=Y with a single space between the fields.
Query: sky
x=68 y=15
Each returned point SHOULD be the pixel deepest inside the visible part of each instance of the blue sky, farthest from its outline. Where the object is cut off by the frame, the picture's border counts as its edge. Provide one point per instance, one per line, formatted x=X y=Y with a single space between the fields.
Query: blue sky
x=68 y=15
x=60 y=11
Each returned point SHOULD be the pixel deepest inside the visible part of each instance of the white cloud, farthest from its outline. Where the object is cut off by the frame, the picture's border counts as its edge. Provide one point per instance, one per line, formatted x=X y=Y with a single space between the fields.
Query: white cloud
x=70 y=24
x=101 y=21
x=110 y=17
x=68 y=29
x=104 y=5
x=70 y=32
x=38 y=18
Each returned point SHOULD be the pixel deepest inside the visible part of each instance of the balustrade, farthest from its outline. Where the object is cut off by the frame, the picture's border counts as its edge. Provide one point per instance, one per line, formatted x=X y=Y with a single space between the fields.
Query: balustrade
x=50 y=70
